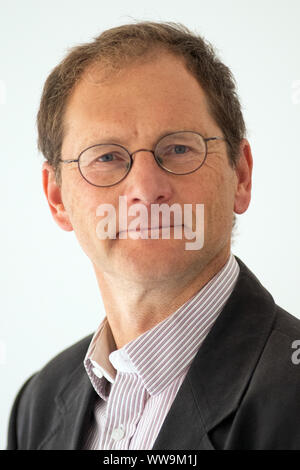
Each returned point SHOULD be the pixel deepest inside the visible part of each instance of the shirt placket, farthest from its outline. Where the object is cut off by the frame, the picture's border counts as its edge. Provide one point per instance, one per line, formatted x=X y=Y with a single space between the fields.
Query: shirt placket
x=125 y=406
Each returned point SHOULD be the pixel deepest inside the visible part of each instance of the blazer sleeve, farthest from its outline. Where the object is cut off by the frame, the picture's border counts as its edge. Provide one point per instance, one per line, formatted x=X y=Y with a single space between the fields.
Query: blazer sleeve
x=12 y=437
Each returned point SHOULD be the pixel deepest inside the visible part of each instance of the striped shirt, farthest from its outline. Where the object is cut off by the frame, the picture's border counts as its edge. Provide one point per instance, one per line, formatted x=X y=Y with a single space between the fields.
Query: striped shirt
x=137 y=383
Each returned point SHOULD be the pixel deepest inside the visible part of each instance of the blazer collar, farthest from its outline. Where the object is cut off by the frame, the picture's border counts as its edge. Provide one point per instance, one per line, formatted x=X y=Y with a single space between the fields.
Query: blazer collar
x=222 y=367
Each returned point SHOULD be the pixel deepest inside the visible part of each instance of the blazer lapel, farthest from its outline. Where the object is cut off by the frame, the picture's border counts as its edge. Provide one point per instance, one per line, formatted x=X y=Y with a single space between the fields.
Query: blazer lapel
x=222 y=368
x=75 y=404
x=183 y=427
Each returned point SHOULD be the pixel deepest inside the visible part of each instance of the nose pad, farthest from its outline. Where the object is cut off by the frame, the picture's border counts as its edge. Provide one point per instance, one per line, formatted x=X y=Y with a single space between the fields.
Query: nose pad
x=147 y=150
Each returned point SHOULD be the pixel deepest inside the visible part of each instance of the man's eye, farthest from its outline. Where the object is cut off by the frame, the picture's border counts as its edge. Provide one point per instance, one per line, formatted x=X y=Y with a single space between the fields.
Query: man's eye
x=108 y=157
x=180 y=149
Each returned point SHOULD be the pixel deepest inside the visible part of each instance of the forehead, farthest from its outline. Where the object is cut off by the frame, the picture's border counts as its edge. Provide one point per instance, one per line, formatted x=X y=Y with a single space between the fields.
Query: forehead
x=155 y=97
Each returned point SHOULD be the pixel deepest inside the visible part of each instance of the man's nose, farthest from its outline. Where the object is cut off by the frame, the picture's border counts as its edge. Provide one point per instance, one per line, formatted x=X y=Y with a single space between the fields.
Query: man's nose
x=147 y=182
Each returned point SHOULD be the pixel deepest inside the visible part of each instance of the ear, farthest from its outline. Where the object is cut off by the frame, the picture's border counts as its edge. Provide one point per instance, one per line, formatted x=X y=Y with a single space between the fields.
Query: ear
x=54 y=197
x=243 y=172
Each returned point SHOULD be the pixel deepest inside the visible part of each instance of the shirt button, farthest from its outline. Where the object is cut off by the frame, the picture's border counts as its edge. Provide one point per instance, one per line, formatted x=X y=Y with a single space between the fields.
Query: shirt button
x=97 y=372
x=118 y=433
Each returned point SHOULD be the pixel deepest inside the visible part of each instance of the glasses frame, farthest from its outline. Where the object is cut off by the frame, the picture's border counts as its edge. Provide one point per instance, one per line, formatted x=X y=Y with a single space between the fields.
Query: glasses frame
x=205 y=139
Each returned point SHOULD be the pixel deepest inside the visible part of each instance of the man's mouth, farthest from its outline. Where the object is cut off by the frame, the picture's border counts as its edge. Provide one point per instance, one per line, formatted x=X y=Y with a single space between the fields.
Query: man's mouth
x=139 y=229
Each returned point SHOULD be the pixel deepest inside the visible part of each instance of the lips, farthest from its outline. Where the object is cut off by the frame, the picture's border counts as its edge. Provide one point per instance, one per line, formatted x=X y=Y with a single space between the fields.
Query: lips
x=149 y=228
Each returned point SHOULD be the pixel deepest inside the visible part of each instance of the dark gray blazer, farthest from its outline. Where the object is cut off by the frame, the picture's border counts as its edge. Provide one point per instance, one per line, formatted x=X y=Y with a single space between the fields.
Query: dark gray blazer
x=242 y=390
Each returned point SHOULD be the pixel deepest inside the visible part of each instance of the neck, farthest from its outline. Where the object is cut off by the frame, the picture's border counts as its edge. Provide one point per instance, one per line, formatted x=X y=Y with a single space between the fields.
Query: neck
x=133 y=308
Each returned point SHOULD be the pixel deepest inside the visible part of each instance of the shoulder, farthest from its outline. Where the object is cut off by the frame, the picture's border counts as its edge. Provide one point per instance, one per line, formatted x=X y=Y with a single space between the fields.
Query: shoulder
x=278 y=353
x=276 y=372
x=269 y=406
x=250 y=289
x=286 y=324
x=56 y=372
x=42 y=387
x=35 y=404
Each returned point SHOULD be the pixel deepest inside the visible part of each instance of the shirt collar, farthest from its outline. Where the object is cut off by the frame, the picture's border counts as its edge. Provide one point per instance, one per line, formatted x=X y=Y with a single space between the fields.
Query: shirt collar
x=96 y=361
x=165 y=351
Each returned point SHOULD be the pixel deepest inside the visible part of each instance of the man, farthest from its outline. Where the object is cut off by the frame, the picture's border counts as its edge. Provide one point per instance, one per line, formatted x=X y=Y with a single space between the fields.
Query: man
x=193 y=352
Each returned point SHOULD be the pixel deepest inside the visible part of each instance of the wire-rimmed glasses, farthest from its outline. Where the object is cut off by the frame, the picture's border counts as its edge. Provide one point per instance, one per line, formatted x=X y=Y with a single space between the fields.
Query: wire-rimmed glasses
x=180 y=153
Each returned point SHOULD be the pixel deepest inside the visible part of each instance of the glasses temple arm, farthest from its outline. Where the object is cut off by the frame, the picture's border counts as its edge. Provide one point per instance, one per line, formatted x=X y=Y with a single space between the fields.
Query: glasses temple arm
x=68 y=161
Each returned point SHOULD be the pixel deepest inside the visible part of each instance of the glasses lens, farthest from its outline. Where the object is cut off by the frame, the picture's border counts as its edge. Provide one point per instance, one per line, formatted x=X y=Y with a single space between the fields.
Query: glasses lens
x=181 y=152
x=104 y=165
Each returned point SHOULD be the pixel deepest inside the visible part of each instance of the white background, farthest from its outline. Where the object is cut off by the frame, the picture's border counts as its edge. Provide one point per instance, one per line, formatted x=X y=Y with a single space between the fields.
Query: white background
x=49 y=296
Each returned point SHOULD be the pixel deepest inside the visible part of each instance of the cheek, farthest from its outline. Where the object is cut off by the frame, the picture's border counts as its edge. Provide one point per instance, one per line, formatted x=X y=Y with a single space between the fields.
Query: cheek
x=218 y=199
x=81 y=206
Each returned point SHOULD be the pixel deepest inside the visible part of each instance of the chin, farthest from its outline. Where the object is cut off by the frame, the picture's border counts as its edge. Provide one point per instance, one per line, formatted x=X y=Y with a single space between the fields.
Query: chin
x=154 y=259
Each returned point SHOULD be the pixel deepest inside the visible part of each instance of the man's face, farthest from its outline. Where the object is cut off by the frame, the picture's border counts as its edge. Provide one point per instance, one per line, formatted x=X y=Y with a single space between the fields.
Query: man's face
x=135 y=108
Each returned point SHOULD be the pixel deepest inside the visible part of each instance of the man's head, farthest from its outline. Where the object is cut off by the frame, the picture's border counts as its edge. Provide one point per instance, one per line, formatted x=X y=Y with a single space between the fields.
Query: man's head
x=120 y=46
x=131 y=86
